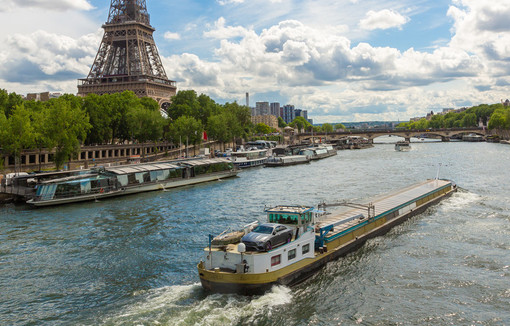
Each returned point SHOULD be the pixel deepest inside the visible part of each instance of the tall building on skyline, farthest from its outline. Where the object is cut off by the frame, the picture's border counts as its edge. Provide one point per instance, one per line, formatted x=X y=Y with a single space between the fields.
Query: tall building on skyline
x=287 y=112
x=275 y=109
x=128 y=58
x=262 y=108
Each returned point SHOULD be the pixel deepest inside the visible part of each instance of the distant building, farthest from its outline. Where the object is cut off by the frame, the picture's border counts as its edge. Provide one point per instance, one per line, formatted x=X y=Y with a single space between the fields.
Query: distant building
x=301 y=113
x=269 y=120
x=288 y=113
x=275 y=109
x=43 y=97
x=262 y=108
x=506 y=103
x=248 y=99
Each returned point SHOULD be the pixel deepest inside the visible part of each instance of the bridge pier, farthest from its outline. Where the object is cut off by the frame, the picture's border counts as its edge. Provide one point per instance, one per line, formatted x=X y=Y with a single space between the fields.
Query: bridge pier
x=408 y=139
x=445 y=138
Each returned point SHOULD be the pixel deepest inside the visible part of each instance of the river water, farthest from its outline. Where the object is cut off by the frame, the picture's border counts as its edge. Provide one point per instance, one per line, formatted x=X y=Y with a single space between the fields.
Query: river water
x=132 y=260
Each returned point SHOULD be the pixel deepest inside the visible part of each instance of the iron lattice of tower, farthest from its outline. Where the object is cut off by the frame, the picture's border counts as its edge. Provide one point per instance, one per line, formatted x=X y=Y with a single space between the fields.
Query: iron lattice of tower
x=128 y=58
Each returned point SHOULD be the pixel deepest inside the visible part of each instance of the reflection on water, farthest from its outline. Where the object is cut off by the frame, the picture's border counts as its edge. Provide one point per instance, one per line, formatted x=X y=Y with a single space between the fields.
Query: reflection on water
x=132 y=260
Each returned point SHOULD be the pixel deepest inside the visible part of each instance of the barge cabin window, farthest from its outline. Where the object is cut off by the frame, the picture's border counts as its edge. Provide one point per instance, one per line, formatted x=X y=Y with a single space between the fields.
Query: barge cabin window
x=306 y=248
x=290 y=218
x=276 y=260
x=292 y=254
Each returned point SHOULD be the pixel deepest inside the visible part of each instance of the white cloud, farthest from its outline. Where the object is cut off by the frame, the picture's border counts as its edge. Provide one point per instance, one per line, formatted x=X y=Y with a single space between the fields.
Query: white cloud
x=319 y=70
x=58 y=5
x=383 y=19
x=172 y=36
x=227 y=2
x=221 y=31
x=42 y=57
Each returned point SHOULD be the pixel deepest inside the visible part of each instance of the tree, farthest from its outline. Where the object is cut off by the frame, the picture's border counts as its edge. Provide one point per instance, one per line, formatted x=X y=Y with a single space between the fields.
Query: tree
x=218 y=129
x=146 y=124
x=99 y=110
x=421 y=124
x=437 y=121
x=68 y=127
x=327 y=127
x=121 y=105
x=499 y=119
x=239 y=119
x=281 y=123
x=186 y=128
x=184 y=103
x=339 y=126
x=469 y=120
x=300 y=123
x=207 y=108
x=18 y=133
x=262 y=128
x=42 y=131
x=149 y=104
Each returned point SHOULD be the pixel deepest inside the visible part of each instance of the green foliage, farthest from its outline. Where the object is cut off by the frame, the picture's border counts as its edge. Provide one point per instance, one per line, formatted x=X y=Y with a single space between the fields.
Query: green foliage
x=186 y=128
x=146 y=124
x=18 y=133
x=99 y=110
x=149 y=104
x=262 y=129
x=500 y=119
x=339 y=126
x=327 y=127
x=218 y=127
x=281 y=123
x=68 y=129
x=301 y=124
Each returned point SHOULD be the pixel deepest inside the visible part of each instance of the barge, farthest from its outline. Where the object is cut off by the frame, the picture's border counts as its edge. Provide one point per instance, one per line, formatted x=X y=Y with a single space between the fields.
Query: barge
x=317 y=238
x=129 y=179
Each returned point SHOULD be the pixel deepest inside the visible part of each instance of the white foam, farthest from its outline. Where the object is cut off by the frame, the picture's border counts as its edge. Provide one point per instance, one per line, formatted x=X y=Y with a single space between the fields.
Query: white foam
x=460 y=200
x=183 y=305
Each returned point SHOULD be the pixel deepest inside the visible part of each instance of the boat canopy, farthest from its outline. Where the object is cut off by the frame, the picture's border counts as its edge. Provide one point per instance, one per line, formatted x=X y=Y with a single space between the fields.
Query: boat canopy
x=141 y=168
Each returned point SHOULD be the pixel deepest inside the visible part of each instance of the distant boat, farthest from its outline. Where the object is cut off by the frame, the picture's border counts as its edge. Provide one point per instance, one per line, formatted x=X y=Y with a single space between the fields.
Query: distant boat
x=402 y=146
x=473 y=138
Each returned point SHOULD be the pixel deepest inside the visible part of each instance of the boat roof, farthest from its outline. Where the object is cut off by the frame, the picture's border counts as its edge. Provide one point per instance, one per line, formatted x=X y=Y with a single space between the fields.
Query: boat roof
x=125 y=169
x=81 y=177
x=252 y=151
x=205 y=162
x=289 y=209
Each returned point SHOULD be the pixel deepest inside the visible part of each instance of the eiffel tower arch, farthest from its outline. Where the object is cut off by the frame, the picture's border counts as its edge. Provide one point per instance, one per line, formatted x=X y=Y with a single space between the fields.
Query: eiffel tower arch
x=128 y=58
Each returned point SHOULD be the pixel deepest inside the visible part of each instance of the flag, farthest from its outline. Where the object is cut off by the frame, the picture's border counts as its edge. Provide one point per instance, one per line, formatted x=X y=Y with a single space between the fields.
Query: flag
x=204 y=136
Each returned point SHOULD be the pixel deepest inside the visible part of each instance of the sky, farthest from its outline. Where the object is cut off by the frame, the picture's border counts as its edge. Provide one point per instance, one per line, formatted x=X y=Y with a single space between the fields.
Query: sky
x=342 y=60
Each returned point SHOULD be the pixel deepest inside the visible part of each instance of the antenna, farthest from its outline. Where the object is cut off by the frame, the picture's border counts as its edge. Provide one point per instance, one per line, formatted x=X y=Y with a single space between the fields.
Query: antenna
x=438 y=169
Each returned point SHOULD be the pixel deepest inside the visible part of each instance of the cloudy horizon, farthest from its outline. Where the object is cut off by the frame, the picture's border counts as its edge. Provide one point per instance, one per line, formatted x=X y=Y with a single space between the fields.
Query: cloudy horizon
x=342 y=60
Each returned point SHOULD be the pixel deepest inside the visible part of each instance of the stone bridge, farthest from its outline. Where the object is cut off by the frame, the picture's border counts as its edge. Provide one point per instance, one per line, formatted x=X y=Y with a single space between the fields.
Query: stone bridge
x=371 y=134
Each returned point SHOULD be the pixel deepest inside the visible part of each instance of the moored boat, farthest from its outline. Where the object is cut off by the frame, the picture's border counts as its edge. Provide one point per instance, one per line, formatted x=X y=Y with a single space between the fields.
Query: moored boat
x=317 y=238
x=249 y=159
x=318 y=152
x=130 y=179
x=276 y=161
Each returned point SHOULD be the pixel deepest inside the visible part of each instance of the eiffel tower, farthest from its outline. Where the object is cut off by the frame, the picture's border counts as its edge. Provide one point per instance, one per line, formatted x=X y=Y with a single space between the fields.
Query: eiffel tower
x=128 y=58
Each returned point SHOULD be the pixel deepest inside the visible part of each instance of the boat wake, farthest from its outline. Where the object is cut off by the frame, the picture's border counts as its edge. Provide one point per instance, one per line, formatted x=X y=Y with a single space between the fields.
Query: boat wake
x=461 y=199
x=189 y=305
